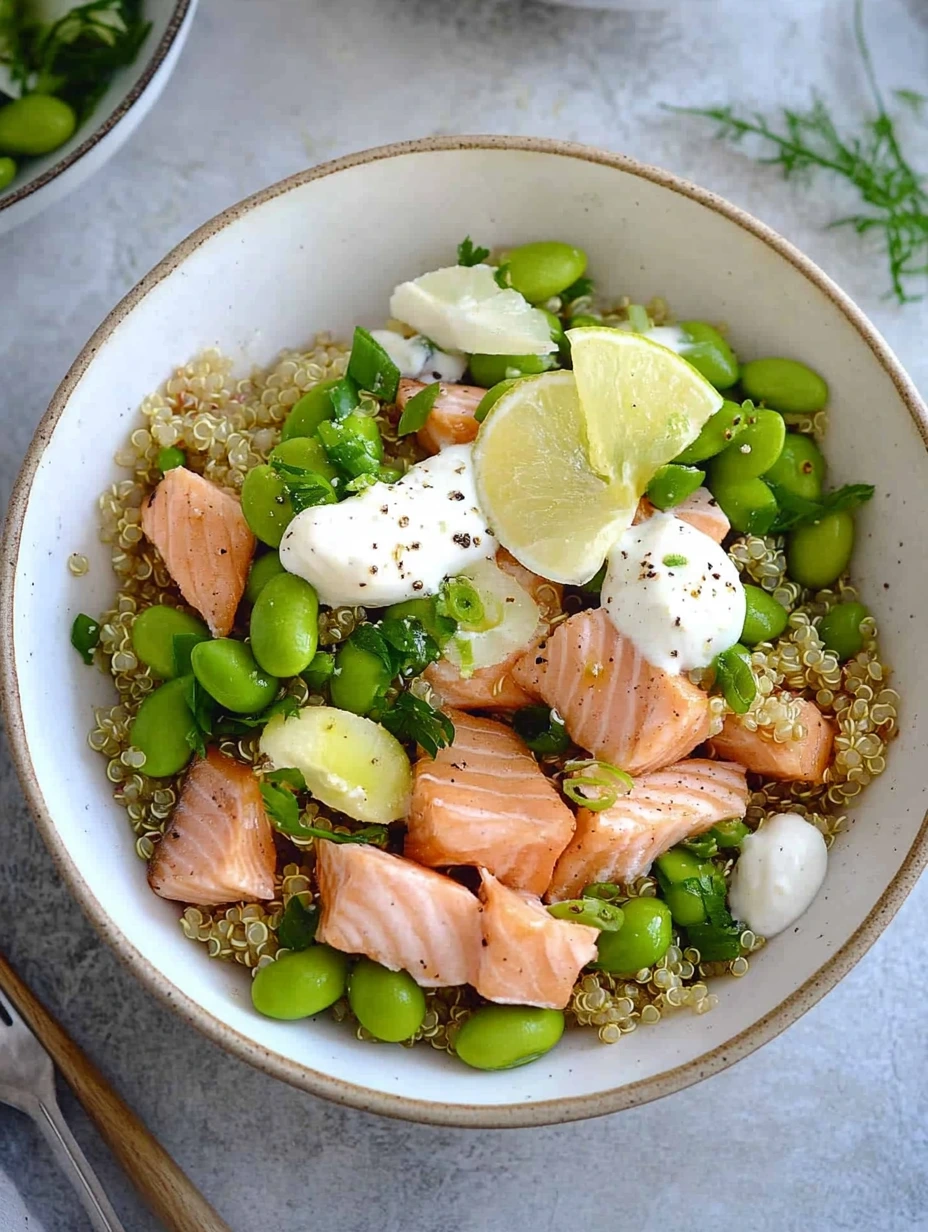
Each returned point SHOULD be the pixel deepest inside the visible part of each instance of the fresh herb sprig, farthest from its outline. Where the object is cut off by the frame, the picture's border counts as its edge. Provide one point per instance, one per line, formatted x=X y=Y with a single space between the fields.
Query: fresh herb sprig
x=871 y=161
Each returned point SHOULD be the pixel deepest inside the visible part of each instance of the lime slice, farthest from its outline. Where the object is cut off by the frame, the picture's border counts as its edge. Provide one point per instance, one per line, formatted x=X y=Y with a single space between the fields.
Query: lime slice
x=642 y=403
x=536 y=487
x=461 y=308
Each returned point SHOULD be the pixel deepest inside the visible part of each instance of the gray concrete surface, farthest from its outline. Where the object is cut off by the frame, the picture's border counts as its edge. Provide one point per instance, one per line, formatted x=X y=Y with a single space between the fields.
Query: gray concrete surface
x=825 y=1128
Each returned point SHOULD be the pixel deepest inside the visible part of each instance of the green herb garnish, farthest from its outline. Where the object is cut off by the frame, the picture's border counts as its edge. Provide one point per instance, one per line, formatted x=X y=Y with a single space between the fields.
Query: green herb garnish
x=411 y=718
x=298 y=924
x=371 y=368
x=201 y=706
x=281 y=805
x=674 y=562
x=541 y=729
x=501 y=276
x=182 y=645
x=577 y=290
x=417 y=409
x=401 y=644
x=735 y=677
x=320 y=670
x=798 y=511
x=375 y=836
x=469 y=255
x=871 y=161
x=305 y=489
x=85 y=636
x=242 y=724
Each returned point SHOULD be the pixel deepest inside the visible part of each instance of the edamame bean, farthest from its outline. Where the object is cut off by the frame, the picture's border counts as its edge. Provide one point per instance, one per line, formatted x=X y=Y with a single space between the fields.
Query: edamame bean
x=504 y=1036
x=839 y=629
x=300 y=983
x=491 y=397
x=489 y=370
x=764 y=618
x=358 y=680
x=731 y=833
x=672 y=484
x=800 y=468
x=748 y=504
x=717 y=433
x=757 y=448
x=710 y=354
x=153 y=633
x=7 y=172
x=161 y=726
x=265 y=504
x=543 y=269
x=35 y=124
x=817 y=554
x=227 y=670
x=678 y=873
x=263 y=568
x=584 y=320
x=307 y=453
x=785 y=385
x=734 y=675
x=389 y=1004
x=593 y=912
x=309 y=412
x=170 y=458
x=643 y=938
x=440 y=628
x=284 y=625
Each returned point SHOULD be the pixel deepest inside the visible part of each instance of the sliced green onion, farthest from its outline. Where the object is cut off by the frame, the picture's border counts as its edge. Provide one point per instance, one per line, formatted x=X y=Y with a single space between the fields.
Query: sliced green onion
x=541 y=728
x=638 y=318
x=85 y=636
x=345 y=397
x=170 y=457
x=608 y=891
x=735 y=677
x=417 y=409
x=461 y=601
x=297 y=928
x=371 y=368
x=591 y=911
x=606 y=781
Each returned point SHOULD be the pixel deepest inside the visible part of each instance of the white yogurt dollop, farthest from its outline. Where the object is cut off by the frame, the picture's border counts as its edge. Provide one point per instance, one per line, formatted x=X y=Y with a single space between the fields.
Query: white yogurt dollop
x=393 y=542
x=417 y=359
x=673 y=591
x=779 y=872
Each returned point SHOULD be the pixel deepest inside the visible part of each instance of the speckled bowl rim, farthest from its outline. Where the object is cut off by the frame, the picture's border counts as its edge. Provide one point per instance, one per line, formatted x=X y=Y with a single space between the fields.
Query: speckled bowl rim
x=497 y=1116
x=97 y=134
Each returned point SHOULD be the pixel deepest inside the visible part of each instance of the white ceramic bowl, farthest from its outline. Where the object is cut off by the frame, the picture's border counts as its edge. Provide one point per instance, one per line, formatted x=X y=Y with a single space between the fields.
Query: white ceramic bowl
x=322 y=251
x=131 y=95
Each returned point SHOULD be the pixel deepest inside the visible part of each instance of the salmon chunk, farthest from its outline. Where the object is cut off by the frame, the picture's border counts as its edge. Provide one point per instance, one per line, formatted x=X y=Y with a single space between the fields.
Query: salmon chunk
x=219 y=846
x=451 y=419
x=804 y=760
x=204 y=539
x=484 y=801
x=701 y=510
x=612 y=701
x=663 y=808
x=397 y=913
x=528 y=957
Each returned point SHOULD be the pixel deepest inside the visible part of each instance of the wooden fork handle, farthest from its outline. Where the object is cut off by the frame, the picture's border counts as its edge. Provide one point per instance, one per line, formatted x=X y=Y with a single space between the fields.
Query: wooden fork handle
x=169 y=1193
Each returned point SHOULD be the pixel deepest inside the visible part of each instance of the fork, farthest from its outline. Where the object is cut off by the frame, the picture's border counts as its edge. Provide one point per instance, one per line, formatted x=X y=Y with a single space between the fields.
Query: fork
x=27 y=1082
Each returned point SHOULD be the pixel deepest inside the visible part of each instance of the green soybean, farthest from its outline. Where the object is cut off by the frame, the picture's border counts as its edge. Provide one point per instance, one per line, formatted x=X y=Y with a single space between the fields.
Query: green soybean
x=228 y=672
x=7 y=172
x=839 y=629
x=785 y=385
x=170 y=458
x=389 y=1004
x=263 y=568
x=748 y=504
x=817 y=554
x=583 y=320
x=153 y=633
x=301 y=983
x=593 y=912
x=643 y=938
x=504 y=1036
x=757 y=448
x=678 y=873
x=800 y=468
x=265 y=504
x=672 y=484
x=309 y=412
x=306 y=452
x=710 y=354
x=35 y=124
x=161 y=727
x=284 y=625
x=764 y=618
x=735 y=677
x=490 y=370
x=359 y=679
x=717 y=433
x=731 y=833
x=543 y=269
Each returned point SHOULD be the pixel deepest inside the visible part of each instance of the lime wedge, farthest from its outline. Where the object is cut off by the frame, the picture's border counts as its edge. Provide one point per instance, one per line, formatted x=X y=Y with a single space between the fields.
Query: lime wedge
x=461 y=308
x=536 y=487
x=642 y=403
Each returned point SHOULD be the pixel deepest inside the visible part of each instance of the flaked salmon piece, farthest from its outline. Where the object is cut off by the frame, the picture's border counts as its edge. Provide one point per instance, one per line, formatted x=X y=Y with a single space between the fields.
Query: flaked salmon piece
x=451 y=419
x=700 y=509
x=612 y=701
x=219 y=845
x=484 y=801
x=804 y=760
x=493 y=688
x=205 y=541
x=397 y=913
x=663 y=808
x=528 y=957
